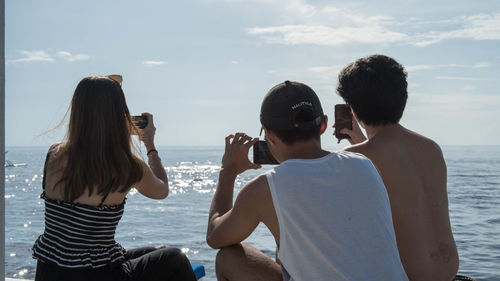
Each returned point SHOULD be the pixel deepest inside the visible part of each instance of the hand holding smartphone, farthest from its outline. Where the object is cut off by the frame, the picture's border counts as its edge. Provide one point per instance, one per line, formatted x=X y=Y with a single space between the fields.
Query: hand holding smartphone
x=343 y=120
x=262 y=154
x=140 y=121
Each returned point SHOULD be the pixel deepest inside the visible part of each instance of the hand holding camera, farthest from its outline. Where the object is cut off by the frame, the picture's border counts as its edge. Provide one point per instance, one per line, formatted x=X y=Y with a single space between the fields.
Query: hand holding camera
x=235 y=157
x=147 y=130
x=262 y=154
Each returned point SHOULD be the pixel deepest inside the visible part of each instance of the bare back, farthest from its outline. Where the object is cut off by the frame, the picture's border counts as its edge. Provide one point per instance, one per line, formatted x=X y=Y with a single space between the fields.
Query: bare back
x=54 y=167
x=414 y=172
x=150 y=185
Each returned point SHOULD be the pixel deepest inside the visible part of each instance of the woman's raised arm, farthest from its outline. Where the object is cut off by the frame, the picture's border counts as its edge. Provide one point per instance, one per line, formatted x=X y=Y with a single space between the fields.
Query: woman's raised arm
x=154 y=182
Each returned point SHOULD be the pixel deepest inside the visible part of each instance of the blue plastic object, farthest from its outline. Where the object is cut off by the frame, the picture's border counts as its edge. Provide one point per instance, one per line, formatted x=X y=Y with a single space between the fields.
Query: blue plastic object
x=199 y=271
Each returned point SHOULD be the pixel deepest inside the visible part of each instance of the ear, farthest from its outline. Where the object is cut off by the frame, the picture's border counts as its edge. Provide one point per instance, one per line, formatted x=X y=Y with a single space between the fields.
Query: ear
x=324 y=124
x=357 y=120
x=270 y=136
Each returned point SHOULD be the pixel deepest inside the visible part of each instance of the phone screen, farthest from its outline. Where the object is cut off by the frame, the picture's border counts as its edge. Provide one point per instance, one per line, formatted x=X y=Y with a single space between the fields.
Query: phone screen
x=140 y=121
x=262 y=154
x=343 y=119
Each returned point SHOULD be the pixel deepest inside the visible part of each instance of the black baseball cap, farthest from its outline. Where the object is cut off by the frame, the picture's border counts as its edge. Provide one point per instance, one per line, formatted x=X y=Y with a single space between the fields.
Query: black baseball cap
x=285 y=101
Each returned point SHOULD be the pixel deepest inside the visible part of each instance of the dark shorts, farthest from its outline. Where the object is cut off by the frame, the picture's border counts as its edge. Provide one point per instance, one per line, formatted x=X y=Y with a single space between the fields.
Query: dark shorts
x=462 y=278
x=145 y=264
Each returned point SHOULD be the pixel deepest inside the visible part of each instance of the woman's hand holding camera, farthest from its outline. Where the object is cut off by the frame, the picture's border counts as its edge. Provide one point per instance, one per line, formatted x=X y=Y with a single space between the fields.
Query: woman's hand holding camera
x=147 y=134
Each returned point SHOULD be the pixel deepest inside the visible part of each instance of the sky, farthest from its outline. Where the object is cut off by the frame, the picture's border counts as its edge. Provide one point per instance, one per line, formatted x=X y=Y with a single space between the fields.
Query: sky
x=202 y=67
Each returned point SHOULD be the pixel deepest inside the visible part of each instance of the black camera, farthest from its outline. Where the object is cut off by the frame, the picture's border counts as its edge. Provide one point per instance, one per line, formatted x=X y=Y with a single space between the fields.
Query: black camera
x=262 y=154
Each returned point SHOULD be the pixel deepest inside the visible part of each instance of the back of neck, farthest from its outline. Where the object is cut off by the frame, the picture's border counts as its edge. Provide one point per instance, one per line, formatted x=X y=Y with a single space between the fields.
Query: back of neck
x=379 y=130
x=304 y=150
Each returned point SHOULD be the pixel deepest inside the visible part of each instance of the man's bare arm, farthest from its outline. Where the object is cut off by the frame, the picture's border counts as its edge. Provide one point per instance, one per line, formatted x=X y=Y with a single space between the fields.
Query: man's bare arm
x=237 y=223
x=228 y=225
x=223 y=197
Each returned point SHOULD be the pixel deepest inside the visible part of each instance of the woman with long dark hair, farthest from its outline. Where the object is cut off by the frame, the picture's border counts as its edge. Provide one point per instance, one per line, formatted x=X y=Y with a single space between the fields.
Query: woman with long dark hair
x=86 y=180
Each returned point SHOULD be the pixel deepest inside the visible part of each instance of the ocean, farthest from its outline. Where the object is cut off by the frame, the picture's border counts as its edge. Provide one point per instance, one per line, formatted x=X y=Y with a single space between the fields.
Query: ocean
x=181 y=219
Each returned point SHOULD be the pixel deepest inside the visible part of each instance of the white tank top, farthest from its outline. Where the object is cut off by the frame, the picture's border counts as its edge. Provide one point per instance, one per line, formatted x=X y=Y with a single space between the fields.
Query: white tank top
x=334 y=219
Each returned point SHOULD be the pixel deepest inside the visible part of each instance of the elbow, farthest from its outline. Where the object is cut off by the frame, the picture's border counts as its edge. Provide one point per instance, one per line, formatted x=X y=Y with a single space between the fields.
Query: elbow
x=212 y=239
x=159 y=194
x=212 y=242
x=165 y=193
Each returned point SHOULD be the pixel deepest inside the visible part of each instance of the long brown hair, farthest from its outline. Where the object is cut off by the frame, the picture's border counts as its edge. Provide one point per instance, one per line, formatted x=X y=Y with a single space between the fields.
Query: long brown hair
x=98 y=147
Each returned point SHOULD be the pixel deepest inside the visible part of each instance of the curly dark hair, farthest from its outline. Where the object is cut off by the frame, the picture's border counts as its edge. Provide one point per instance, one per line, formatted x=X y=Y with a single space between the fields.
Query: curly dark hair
x=376 y=89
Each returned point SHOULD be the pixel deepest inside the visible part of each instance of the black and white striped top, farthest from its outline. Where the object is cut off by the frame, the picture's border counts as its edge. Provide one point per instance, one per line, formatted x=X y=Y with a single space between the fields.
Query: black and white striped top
x=79 y=236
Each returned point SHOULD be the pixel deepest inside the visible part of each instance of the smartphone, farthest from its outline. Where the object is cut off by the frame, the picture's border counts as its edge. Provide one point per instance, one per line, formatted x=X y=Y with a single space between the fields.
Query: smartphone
x=343 y=119
x=140 y=121
x=262 y=154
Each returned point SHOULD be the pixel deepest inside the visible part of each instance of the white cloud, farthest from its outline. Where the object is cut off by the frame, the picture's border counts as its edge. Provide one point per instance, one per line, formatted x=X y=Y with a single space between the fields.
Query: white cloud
x=306 y=23
x=235 y=62
x=460 y=78
x=475 y=27
x=33 y=56
x=418 y=67
x=70 y=57
x=325 y=35
x=81 y=57
x=417 y=21
x=481 y=65
x=63 y=54
x=300 y=9
x=151 y=63
x=456 y=102
x=42 y=56
x=324 y=69
x=412 y=68
x=326 y=25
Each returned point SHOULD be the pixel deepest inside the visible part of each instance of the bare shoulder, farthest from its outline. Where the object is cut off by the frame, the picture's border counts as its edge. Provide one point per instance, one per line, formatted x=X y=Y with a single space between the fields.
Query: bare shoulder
x=426 y=158
x=56 y=149
x=256 y=198
x=366 y=148
x=255 y=195
x=426 y=146
x=256 y=189
x=55 y=155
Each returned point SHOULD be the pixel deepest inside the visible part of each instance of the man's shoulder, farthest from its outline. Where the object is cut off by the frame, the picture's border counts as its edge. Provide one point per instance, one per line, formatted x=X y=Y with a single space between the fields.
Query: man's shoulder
x=364 y=149
x=400 y=139
x=257 y=187
x=261 y=180
x=424 y=144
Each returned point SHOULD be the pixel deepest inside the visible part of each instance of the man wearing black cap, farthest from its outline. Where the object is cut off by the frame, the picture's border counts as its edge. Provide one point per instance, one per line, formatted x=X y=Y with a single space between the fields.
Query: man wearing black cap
x=328 y=212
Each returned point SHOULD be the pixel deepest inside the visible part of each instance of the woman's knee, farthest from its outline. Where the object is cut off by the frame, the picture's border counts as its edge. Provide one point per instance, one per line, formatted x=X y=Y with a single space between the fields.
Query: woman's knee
x=174 y=255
